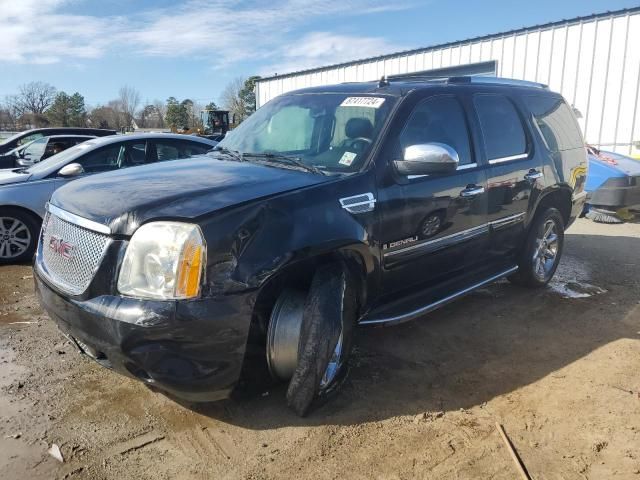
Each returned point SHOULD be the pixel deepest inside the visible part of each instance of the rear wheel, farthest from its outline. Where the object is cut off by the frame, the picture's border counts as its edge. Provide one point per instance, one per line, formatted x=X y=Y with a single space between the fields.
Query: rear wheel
x=18 y=236
x=542 y=251
x=310 y=335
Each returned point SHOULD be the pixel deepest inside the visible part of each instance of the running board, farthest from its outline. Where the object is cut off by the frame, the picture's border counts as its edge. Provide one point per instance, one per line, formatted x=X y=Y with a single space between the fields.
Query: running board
x=412 y=315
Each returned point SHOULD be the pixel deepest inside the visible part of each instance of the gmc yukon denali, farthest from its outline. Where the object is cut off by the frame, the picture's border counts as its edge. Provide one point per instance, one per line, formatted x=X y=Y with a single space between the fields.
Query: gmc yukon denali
x=329 y=208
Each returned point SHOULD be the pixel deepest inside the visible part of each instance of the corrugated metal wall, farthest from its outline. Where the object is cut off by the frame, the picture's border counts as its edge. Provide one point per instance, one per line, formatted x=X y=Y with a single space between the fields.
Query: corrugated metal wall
x=594 y=62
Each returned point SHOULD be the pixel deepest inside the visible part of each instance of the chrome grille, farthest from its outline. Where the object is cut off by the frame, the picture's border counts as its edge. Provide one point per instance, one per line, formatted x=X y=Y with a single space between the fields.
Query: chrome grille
x=71 y=254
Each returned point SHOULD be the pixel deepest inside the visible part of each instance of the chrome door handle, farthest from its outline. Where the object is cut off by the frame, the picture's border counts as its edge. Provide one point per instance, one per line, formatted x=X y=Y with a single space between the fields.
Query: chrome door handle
x=533 y=175
x=471 y=191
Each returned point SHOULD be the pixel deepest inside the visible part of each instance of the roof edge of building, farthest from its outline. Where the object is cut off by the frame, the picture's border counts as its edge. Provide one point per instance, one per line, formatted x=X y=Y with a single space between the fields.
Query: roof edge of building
x=544 y=26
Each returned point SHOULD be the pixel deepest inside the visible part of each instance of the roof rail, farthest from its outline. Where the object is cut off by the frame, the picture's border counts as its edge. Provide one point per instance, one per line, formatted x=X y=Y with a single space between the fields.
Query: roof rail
x=496 y=81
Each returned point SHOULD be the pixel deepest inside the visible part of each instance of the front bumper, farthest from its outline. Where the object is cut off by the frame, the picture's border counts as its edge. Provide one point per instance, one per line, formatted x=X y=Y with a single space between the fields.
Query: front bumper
x=617 y=192
x=193 y=350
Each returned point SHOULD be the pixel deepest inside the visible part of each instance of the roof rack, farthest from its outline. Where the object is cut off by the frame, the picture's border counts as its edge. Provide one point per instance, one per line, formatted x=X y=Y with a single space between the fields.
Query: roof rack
x=496 y=81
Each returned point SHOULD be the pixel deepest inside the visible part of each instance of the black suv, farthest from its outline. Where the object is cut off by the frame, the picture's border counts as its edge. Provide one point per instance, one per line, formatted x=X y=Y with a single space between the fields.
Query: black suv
x=330 y=207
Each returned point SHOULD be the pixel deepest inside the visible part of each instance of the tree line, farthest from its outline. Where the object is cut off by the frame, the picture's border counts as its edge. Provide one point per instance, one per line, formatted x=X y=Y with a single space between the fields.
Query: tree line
x=39 y=104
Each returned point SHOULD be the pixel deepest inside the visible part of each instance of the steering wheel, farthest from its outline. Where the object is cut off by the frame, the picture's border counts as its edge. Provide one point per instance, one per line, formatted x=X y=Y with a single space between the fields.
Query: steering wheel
x=352 y=142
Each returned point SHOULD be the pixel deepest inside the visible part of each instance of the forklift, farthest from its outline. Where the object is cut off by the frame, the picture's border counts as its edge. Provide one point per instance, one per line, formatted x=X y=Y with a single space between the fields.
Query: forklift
x=215 y=124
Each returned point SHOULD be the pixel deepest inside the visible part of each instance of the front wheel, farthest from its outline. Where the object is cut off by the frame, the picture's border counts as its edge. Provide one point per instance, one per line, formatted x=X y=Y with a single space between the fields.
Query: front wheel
x=310 y=336
x=18 y=236
x=542 y=251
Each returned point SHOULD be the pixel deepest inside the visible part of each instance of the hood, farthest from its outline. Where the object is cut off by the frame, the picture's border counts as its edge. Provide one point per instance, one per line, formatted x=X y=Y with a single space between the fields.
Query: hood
x=189 y=188
x=10 y=175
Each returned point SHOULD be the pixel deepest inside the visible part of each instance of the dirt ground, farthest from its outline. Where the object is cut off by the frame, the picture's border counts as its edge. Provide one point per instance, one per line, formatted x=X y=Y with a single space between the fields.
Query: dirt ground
x=557 y=367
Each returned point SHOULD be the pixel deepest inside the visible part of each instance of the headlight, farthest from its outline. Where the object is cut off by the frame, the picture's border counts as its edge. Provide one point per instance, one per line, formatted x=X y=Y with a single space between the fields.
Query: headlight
x=164 y=260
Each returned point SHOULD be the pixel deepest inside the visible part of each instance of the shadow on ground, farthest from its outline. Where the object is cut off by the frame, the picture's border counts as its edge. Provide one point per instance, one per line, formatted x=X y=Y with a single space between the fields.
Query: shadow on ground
x=490 y=343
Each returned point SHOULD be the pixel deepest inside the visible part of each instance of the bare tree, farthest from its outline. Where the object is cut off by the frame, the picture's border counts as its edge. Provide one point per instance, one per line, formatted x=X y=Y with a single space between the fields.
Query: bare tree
x=36 y=97
x=129 y=99
x=161 y=108
x=12 y=111
x=231 y=99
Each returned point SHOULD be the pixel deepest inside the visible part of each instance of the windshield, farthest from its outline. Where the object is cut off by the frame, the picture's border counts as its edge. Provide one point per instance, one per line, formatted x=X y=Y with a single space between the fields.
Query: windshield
x=35 y=149
x=332 y=132
x=59 y=160
x=25 y=139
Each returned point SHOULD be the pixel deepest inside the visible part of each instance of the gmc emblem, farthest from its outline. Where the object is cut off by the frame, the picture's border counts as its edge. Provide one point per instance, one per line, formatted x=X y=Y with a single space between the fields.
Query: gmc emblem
x=61 y=247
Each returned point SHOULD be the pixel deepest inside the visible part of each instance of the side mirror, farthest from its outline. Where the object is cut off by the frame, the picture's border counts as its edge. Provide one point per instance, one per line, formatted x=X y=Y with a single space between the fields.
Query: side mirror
x=427 y=158
x=71 y=170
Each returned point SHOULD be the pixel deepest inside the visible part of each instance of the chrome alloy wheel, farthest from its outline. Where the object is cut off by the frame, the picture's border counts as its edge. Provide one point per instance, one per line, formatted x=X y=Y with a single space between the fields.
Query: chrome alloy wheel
x=283 y=336
x=546 y=253
x=15 y=237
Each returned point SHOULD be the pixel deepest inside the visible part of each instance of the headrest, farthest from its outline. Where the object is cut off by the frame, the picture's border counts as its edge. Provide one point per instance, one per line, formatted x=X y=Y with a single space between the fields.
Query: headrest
x=358 y=127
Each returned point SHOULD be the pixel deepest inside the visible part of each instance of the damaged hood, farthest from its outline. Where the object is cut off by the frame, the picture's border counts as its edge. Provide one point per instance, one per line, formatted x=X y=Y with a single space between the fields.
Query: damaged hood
x=180 y=189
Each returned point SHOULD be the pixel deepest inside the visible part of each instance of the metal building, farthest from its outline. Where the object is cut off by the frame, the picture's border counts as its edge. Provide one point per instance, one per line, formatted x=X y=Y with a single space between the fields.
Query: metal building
x=593 y=61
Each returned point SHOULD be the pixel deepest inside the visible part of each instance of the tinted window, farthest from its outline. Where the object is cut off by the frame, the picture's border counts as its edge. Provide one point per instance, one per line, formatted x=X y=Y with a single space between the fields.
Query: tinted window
x=501 y=126
x=29 y=138
x=103 y=159
x=175 y=149
x=167 y=150
x=36 y=150
x=441 y=120
x=556 y=122
x=192 y=148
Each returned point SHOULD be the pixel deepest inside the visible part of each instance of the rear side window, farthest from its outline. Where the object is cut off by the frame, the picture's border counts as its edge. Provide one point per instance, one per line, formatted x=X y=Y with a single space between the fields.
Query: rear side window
x=192 y=148
x=501 y=126
x=167 y=150
x=555 y=122
x=439 y=120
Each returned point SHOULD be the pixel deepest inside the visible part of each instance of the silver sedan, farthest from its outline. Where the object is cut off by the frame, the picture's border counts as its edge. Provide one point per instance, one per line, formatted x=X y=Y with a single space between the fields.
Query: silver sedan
x=24 y=192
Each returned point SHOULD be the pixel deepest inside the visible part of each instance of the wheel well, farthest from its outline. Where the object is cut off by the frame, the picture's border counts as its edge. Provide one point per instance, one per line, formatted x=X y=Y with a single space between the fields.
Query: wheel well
x=299 y=275
x=255 y=373
x=33 y=215
x=560 y=199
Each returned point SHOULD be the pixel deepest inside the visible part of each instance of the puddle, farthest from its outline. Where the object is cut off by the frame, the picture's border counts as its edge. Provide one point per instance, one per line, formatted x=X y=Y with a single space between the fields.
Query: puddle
x=571 y=280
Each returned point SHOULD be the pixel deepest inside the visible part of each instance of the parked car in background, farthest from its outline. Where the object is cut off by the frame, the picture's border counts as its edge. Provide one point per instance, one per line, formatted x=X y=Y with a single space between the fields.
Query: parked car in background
x=613 y=187
x=25 y=191
x=29 y=135
x=361 y=203
x=40 y=149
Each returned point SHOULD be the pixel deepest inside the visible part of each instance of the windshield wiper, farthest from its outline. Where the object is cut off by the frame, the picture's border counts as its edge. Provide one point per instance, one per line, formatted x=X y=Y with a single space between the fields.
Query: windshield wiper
x=231 y=153
x=286 y=159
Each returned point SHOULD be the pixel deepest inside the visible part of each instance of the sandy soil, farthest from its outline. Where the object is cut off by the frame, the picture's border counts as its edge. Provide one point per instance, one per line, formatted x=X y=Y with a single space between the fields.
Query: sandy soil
x=557 y=367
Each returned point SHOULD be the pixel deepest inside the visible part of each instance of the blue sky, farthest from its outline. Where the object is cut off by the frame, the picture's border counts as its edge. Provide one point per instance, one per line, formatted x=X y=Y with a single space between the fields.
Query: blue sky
x=193 y=48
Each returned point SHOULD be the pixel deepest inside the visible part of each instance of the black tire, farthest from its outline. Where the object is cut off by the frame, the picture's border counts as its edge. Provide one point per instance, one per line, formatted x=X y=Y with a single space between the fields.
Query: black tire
x=528 y=274
x=329 y=311
x=26 y=227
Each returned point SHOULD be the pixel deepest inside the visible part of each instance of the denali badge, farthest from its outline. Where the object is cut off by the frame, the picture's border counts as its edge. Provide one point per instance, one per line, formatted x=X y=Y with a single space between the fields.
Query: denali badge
x=61 y=247
x=398 y=243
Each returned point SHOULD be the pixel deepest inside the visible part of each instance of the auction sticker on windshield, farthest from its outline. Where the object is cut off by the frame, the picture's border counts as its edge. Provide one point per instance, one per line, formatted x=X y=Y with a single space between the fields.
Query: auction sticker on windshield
x=347 y=158
x=371 y=102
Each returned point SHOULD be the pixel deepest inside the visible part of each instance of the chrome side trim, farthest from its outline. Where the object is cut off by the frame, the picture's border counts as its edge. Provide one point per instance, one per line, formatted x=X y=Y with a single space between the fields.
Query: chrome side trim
x=460 y=167
x=432 y=306
x=467 y=166
x=508 y=159
x=454 y=237
x=505 y=221
x=77 y=220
